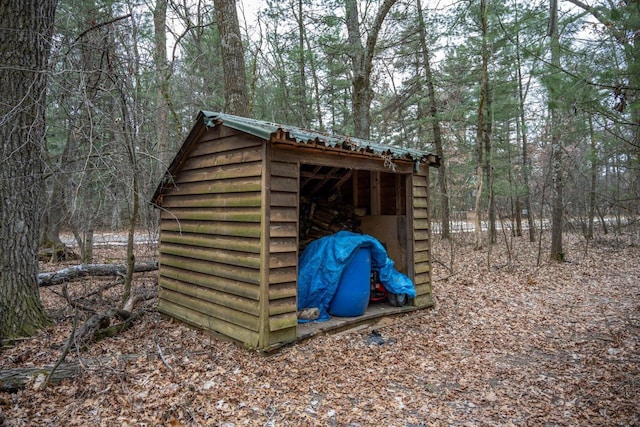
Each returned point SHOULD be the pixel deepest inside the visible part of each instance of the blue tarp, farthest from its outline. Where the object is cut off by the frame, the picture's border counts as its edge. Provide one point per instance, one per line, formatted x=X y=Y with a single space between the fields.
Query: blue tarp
x=323 y=261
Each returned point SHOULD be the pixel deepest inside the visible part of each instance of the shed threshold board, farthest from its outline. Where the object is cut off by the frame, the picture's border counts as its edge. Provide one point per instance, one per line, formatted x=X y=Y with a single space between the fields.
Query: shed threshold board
x=339 y=324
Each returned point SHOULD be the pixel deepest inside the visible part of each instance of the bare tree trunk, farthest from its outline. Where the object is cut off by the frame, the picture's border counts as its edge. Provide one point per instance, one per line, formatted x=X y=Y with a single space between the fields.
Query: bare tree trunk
x=594 y=178
x=482 y=117
x=25 y=29
x=162 y=83
x=556 y=252
x=435 y=127
x=131 y=259
x=488 y=166
x=302 y=84
x=362 y=63
x=235 y=81
x=521 y=130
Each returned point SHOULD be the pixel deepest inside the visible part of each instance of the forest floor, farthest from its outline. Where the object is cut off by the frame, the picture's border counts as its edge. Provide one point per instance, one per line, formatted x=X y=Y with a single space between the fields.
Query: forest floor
x=512 y=343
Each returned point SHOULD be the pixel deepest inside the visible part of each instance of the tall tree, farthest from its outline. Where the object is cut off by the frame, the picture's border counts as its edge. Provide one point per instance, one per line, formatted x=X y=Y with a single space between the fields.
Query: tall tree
x=235 y=80
x=556 y=251
x=435 y=123
x=362 y=55
x=521 y=130
x=482 y=137
x=26 y=31
x=162 y=82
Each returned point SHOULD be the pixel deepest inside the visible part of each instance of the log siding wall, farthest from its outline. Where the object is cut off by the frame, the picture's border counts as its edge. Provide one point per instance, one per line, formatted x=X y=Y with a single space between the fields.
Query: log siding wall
x=283 y=252
x=210 y=237
x=421 y=238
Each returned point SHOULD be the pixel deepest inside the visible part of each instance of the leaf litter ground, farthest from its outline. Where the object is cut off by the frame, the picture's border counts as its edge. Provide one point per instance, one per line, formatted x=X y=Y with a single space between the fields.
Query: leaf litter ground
x=507 y=343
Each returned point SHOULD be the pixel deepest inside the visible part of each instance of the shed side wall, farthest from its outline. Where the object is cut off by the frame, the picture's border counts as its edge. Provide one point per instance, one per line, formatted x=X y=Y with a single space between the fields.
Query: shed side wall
x=210 y=235
x=283 y=251
x=421 y=238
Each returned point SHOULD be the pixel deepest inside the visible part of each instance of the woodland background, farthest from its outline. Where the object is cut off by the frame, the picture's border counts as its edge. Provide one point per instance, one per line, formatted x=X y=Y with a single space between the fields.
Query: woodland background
x=534 y=107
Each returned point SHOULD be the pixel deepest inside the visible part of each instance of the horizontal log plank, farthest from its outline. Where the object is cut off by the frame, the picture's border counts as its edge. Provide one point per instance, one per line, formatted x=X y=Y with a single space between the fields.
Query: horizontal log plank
x=289 y=185
x=279 y=198
x=214 y=142
x=252 y=199
x=283 y=321
x=229 y=315
x=420 y=202
x=335 y=157
x=421 y=245
x=213 y=173
x=211 y=227
x=240 y=259
x=238 y=244
x=283 y=290
x=236 y=185
x=421 y=256
x=283 y=275
x=208 y=323
x=213 y=282
x=283 y=336
x=421 y=235
x=421 y=278
x=285 y=169
x=288 y=259
x=283 y=229
x=240 y=274
x=241 y=155
x=421 y=267
x=249 y=306
x=283 y=305
x=213 y=214
x=421 y=224
x=421 y=213
x=284 y=214
x=425 y=300
x=283 y=244
x=420 y=192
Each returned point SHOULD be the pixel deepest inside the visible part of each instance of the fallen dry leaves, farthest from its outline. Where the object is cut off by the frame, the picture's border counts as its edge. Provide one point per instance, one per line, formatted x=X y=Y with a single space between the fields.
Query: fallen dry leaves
x=509 y=344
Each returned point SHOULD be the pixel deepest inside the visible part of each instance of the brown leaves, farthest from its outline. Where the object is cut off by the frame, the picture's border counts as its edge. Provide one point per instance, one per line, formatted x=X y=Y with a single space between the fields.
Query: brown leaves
x=555 y=344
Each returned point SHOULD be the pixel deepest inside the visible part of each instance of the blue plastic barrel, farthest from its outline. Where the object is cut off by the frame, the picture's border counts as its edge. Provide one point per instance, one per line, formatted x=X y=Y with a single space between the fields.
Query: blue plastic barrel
x=352 y=296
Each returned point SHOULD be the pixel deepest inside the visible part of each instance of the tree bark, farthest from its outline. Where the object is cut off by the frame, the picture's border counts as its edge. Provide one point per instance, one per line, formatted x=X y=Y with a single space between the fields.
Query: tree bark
x=162 y=83
x=594 y=178
x=235 y=84
x=556 y=251
x=302 y=119
x=25 y=30
x=435 y=126
x=481 y=130
x=362 y=64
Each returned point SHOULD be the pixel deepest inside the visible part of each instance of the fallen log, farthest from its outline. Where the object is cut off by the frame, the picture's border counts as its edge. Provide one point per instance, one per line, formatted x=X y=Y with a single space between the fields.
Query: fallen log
x=12 y=380
x=82 y=270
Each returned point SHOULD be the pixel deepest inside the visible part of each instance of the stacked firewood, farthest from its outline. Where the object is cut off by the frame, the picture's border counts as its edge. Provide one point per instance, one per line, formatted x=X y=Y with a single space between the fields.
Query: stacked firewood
x=322 y=217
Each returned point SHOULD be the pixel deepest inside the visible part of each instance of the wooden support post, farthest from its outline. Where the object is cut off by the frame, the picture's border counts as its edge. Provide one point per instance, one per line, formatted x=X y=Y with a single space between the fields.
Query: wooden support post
x=375 y=193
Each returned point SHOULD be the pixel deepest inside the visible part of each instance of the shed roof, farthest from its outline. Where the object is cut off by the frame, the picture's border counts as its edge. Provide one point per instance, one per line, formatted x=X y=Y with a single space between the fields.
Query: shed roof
x=267 y=131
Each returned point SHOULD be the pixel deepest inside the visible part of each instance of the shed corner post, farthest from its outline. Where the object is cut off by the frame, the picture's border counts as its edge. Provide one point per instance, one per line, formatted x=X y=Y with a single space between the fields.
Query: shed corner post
x=265 y=223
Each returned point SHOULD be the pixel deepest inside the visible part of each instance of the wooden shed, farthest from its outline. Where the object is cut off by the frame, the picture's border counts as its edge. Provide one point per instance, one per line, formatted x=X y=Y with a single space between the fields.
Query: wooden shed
x=241 y=199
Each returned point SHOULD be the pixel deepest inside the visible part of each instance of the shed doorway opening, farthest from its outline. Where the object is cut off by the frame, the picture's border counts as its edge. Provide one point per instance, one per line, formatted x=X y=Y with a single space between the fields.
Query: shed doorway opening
x=367 y=202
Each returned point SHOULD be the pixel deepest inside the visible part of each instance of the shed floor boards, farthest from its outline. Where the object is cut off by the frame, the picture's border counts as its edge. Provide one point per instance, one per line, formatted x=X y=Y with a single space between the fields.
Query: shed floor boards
x=338 y=324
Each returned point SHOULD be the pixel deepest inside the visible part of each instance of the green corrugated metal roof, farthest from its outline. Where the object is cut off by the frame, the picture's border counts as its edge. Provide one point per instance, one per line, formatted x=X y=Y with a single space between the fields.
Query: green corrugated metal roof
x=263 y=129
